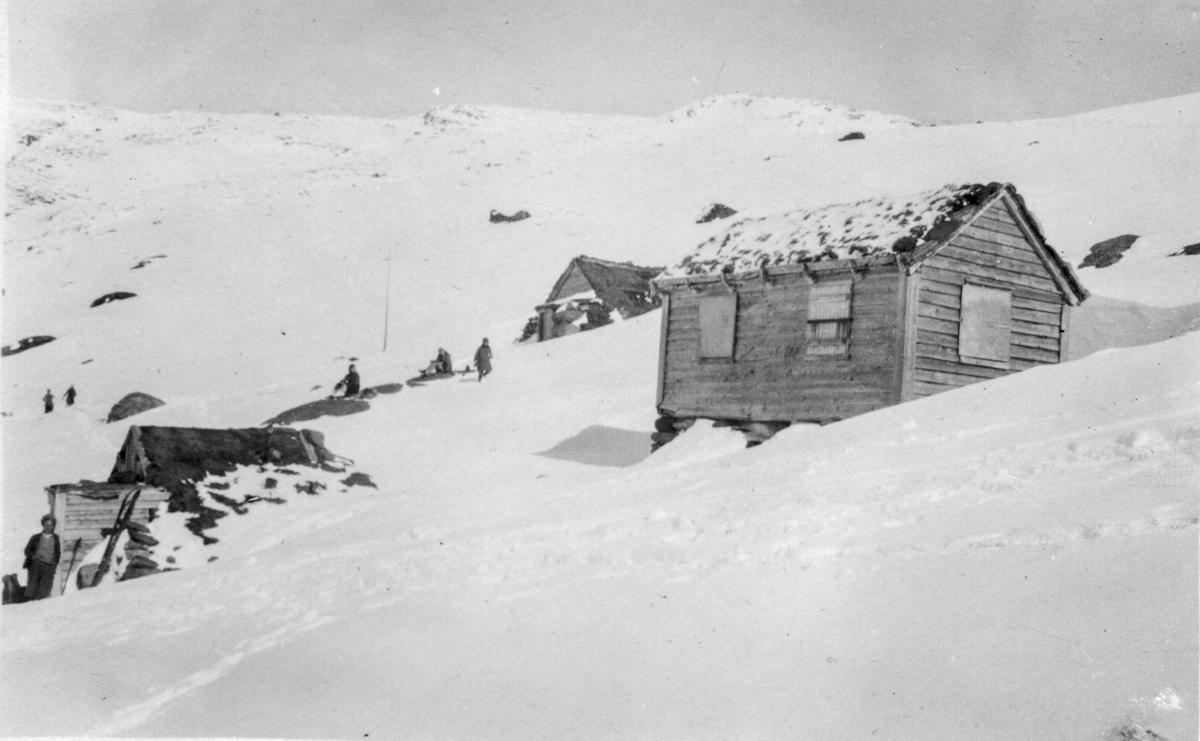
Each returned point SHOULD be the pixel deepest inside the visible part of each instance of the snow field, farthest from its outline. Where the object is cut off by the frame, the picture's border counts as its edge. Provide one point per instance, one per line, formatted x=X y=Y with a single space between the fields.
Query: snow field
x=1013 y=559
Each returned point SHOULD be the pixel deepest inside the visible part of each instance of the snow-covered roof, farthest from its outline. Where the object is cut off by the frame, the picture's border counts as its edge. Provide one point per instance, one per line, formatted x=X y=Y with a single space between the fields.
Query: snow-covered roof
x=869 y=227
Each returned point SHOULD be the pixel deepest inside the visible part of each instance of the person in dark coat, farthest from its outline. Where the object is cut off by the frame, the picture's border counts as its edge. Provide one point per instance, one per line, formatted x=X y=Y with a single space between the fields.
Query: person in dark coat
x=42 y=554
x=350 y=382
x=483 y=359
x=48 y=400
x=70 y=396
x=443 y=362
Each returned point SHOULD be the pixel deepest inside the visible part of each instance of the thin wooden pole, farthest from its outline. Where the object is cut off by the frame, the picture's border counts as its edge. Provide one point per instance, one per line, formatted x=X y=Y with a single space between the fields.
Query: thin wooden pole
x=387 y=297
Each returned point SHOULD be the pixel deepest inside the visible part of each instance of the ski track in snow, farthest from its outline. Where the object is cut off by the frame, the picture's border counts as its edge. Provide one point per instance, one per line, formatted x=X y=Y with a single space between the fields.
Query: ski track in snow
x=832 y=522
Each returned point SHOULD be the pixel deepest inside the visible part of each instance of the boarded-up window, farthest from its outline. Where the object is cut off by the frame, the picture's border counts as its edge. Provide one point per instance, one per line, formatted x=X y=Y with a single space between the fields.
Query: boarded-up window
x=828 y=318
x=985 y=325
x=717 y=318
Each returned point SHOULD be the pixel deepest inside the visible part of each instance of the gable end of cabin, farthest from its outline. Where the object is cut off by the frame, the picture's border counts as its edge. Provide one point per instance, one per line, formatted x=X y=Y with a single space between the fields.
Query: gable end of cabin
x=990 y=302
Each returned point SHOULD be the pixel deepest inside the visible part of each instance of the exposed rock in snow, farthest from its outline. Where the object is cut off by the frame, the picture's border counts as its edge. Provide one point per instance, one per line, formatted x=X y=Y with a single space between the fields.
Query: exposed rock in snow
x=1108 y=252
x=25 y=343
x=131 y=404
x=115 y=296
x=498 y=218
x=715 y=211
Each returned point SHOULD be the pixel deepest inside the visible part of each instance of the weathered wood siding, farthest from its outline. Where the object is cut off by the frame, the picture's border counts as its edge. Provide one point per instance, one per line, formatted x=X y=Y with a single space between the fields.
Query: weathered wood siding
x=770 y=378
x=993 y=251
x=83 y=511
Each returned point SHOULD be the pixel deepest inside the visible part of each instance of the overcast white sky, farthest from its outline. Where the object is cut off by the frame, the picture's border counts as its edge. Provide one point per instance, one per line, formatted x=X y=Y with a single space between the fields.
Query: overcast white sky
x=934 y=60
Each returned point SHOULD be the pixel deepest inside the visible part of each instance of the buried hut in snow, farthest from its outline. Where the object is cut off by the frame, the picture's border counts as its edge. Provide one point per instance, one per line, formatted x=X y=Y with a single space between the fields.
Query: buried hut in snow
x=588 y=292
x=819 y=315
x=167 y=464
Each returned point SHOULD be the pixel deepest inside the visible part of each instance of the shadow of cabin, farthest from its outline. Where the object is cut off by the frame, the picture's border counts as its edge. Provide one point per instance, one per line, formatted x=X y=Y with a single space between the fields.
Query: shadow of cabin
x=164 y=463
x=589 y=290
x=823 y=314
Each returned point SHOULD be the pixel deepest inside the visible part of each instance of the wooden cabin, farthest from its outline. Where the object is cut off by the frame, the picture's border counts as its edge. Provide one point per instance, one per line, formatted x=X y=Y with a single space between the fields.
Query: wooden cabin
x=819 y=315
x=85 y=510
x=589 y=290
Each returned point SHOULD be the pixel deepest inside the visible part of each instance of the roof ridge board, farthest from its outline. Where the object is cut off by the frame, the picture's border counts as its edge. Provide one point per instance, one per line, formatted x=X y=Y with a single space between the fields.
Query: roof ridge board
x=1059 y=268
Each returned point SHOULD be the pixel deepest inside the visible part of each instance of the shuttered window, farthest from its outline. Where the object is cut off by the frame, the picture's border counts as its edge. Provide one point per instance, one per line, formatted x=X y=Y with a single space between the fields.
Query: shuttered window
x=828 y=318
x=717 y=319
x=985 y=325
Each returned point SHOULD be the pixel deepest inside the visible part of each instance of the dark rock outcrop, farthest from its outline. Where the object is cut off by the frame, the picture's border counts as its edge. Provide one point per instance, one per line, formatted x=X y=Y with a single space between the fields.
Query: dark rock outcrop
x=132 y=404
x=715 y=211
x=110 y=297
x=498 y=218
x=1108 y=252
x=25 y=344
x=852 y=136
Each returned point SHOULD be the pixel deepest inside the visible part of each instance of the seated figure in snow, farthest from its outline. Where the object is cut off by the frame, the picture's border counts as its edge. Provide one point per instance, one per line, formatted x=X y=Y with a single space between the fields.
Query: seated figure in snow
x=348 y=385
x=440 y=365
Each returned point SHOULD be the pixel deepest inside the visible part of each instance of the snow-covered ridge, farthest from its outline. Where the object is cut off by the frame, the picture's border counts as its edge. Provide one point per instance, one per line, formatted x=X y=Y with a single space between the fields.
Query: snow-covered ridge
x=463 y=117
x=804 y=113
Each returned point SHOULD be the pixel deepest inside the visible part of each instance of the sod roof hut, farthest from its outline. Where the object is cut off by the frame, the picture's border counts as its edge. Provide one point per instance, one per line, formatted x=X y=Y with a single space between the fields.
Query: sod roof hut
x=589 y=290
x=166 y=456
x=818 y=315
x=164 y=464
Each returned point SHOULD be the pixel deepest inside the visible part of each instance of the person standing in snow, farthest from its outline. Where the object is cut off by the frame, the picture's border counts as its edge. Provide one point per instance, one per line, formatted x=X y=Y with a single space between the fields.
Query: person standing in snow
x=42 y=554
x=483 y=359
x=351 y=383
x=48 y=400
x=70 y=395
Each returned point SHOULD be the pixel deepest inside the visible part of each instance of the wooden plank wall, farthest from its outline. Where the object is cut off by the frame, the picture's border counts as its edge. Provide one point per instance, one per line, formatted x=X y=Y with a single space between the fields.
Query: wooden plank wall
x=83 y=515
x=994 y=250
x=770 y=377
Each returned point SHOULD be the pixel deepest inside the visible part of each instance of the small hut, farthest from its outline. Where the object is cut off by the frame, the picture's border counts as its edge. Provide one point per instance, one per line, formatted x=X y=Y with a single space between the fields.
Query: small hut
x=164 y=464
x=818 y=315
x=589 y=291
x=86 y=510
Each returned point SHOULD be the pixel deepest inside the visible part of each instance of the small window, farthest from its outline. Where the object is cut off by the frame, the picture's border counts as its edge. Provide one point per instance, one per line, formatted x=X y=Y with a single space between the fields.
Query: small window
x=828 y=318
x=717 y=315
x=984 y=326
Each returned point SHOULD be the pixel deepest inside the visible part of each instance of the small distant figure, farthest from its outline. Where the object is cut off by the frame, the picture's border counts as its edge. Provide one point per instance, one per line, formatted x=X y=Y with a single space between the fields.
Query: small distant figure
x=48 y=400
x=349 y=383
x=42 y=554
x=483 y=359
x=70 y=396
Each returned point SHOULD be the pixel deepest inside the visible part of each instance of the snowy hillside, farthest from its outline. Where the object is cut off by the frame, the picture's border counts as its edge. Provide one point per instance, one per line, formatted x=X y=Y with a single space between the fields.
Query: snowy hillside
x=1014 y=559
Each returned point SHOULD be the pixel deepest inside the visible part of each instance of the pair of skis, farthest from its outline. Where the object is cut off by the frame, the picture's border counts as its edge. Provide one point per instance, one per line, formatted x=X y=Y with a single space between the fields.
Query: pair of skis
x=119 y=525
